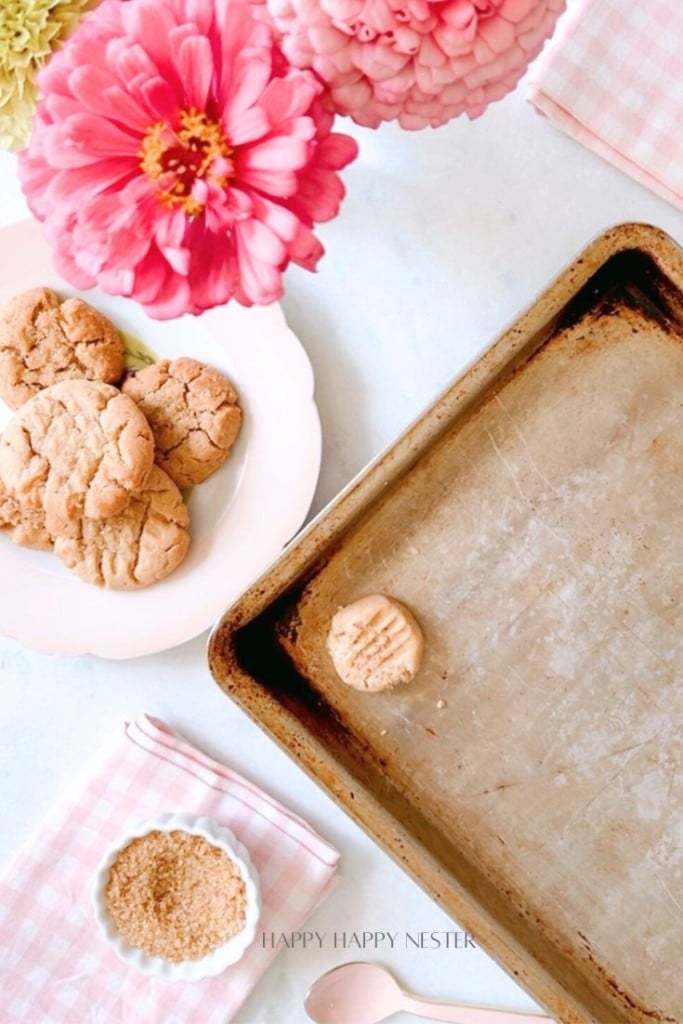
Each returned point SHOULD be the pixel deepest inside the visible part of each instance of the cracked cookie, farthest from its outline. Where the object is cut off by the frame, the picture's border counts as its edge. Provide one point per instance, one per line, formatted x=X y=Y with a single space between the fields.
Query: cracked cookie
x=139 y=546
x=78 y=448
x=26 y=528
x=44 y=341
x=193 y=412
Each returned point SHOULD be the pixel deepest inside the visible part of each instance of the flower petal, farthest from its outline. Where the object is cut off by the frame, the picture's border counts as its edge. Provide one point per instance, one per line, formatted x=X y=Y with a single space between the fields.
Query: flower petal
x=99 y=92
x=259 y=253
x=195 y=64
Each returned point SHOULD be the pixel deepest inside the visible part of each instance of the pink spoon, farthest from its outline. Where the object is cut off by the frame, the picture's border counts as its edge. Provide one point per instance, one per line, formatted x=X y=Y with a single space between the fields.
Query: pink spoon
x=362 y=993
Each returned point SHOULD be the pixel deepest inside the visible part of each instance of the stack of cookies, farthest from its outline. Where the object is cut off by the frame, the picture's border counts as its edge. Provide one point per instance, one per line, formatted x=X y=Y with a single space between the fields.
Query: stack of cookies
x=92 y=470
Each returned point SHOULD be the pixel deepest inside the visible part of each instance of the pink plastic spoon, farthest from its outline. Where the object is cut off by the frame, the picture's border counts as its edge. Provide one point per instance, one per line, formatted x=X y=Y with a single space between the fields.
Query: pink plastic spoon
x=362 y=993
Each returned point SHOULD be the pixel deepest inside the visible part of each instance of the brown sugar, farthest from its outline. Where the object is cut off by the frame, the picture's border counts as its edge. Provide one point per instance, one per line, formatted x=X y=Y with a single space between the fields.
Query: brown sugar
x=175 y=895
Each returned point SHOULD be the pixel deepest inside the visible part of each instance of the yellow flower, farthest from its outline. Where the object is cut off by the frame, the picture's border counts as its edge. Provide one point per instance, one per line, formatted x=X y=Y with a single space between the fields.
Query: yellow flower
x=29 y=32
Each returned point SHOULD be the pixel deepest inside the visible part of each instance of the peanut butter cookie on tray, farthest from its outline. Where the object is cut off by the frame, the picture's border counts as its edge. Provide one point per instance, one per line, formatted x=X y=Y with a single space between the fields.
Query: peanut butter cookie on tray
x=138 y=546
x=375 y=643
x=44 y=341
x=78 y=448
x=193 y=412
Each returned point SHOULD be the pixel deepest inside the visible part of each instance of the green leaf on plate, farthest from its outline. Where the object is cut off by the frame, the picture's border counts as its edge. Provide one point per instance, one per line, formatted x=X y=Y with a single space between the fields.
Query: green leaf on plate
x=137 y=355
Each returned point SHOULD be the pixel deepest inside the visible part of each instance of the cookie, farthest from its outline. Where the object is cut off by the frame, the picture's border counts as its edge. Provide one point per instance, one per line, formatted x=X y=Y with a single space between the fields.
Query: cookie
x=193 y=412
x=27 y=528
x=139 y=546
x=78 y=448
x=9 y=508
x=44 y=341
x=375 y=643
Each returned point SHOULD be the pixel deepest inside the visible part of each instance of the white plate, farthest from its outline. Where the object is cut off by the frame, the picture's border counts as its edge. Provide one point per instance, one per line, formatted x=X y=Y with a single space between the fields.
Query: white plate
x=239 y=519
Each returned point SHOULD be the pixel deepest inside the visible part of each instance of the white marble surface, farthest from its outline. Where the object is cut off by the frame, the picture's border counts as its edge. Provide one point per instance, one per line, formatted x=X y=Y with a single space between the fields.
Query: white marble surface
x=444 y=238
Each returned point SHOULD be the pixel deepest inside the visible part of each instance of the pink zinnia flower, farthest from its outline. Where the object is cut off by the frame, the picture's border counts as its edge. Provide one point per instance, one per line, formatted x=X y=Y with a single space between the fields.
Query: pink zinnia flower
x=420 y=61
x=177 y=158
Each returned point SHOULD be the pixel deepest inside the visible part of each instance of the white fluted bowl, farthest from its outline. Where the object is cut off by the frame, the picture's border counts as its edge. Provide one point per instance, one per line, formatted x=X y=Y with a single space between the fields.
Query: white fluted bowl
x=218 y=959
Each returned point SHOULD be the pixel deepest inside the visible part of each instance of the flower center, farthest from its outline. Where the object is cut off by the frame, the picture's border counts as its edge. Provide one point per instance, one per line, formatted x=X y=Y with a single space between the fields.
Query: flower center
x=178 y=161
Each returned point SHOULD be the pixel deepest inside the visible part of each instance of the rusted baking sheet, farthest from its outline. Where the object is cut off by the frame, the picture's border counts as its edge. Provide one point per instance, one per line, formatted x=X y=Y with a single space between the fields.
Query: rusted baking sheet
x=531 y=776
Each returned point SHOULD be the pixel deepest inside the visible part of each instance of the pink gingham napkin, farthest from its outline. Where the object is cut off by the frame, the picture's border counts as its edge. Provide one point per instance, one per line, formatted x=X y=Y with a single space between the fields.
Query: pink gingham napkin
x=612 y=78
x=54 y=966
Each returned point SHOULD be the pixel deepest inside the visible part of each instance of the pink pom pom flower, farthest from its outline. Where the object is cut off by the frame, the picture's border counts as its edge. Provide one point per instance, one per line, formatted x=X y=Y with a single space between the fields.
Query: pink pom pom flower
x=178 y=159
x=422 y=62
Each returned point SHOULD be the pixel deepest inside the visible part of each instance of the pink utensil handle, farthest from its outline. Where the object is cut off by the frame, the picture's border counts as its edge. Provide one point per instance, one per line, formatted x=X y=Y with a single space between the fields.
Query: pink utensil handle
x=454 y=1014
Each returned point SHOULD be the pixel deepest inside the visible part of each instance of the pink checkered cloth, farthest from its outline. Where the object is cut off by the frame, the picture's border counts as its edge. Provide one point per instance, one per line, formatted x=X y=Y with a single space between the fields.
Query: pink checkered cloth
x=612 y=78
x=54 y=966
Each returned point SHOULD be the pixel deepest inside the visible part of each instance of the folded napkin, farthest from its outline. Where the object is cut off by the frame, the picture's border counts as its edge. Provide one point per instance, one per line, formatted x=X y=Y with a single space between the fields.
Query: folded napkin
x=612 y=78
x=54 y=966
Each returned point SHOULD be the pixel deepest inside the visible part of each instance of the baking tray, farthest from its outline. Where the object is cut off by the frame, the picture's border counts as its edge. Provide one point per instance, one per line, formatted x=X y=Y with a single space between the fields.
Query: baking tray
x=531 y=776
